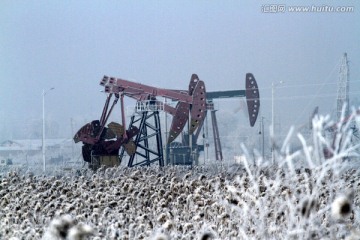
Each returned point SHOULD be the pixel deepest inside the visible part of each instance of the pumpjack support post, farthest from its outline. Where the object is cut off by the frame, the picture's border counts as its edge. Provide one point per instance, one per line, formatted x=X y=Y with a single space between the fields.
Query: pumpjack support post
x=148 y=142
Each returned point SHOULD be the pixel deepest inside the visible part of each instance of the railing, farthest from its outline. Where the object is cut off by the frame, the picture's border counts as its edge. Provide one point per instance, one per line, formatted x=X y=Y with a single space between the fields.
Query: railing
x=149 y=106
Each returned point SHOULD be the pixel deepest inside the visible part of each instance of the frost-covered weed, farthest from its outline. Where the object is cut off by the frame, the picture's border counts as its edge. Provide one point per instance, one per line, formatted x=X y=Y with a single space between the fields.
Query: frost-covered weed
x=302 y=196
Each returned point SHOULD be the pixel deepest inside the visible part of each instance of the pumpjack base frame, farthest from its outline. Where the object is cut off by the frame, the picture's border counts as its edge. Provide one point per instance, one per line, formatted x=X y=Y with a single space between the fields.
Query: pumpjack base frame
x=148 y=141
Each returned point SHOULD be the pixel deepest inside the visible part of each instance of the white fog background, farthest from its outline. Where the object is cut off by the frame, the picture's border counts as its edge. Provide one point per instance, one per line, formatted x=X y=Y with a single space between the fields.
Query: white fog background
x=70 y=45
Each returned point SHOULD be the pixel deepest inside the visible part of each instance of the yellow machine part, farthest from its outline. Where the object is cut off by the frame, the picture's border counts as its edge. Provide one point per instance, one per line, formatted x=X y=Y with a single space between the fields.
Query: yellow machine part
x=109 y=160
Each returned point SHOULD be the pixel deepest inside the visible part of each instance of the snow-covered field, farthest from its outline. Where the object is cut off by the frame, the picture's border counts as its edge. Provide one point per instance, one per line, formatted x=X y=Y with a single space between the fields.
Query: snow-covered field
x=301 y=196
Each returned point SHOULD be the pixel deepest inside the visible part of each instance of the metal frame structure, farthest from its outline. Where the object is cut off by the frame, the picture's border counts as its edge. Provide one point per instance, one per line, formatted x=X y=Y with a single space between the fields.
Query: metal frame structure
x=252 y=95
x=148 y=123
x=344 y=118
x=106 y=141
x=189 y=147
x=217 y=143
x=191 y=108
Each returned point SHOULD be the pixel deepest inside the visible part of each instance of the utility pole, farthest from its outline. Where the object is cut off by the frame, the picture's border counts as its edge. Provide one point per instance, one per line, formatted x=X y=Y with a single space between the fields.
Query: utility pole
x=343 y=89
x=166 y=137
x=43 y=127
x=272 y=134
x=262 y=132
x=72 y=134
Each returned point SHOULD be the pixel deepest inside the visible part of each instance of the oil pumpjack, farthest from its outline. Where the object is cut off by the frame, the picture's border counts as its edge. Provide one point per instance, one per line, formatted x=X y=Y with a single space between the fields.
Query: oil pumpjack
x=142 y=141
x=187 y=151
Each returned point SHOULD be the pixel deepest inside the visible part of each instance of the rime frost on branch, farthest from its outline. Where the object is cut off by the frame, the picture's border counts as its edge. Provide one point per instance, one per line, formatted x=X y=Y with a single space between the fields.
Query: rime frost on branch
x=248 y=200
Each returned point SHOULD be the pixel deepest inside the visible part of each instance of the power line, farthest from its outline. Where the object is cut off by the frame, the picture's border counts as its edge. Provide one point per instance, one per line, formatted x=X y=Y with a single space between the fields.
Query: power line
x=308 y=96
x=304 y=85
x=318 y=90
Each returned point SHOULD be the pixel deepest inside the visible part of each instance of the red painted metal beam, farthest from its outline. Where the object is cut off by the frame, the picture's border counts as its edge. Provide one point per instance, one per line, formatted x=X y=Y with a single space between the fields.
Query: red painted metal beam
x=193 y=100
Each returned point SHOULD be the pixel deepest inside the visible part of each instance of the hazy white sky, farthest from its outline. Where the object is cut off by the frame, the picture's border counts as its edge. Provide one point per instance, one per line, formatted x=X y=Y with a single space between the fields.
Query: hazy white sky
x=70 y=45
